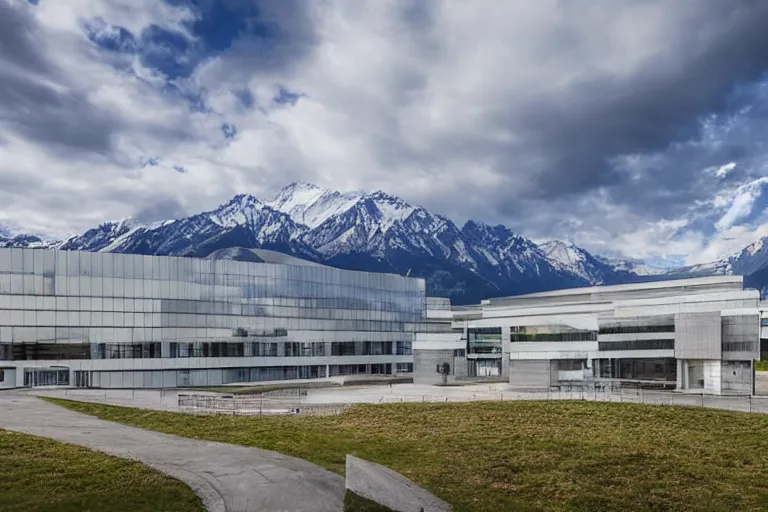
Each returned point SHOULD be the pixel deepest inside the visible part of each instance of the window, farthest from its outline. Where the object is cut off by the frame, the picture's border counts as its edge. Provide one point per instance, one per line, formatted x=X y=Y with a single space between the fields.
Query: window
x=459 y=352
x=637 y=345
x=2 y=375
x=738 y=346
x=634 y=329
x=557 y=336
x=404 y=367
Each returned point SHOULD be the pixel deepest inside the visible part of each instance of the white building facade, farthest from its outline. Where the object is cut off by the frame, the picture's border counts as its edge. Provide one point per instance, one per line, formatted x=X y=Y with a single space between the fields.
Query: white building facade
x=133 y=321
x=700 y=334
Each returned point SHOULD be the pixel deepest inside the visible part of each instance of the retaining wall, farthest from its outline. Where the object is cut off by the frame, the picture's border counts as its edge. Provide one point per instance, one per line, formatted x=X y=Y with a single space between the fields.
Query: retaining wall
x=389 y=488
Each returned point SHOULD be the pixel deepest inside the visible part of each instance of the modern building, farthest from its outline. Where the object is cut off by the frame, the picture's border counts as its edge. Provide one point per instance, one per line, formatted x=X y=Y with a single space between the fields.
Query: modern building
x=700 y=334
x=132 y=321
x=438 y=343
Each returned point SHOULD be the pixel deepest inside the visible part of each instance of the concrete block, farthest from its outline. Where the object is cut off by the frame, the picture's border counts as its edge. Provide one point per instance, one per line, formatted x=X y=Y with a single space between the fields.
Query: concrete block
x=389 y=488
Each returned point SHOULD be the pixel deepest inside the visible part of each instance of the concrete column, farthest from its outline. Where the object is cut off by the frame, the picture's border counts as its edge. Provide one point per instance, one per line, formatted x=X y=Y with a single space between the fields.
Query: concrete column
x=680 y=381
x=506 y=348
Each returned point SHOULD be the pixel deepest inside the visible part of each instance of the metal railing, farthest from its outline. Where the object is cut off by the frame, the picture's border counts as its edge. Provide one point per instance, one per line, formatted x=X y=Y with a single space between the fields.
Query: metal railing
x=281 y=402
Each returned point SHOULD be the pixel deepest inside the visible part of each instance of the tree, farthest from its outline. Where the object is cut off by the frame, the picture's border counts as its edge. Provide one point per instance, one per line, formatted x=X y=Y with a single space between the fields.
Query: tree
x=444 y=370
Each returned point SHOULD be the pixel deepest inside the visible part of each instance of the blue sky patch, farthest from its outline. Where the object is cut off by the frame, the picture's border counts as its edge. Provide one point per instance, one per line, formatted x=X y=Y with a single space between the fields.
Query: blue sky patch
x=246 y=98
x=229 y=131
x=285 y=96
x=152 y=161
x=110 y=37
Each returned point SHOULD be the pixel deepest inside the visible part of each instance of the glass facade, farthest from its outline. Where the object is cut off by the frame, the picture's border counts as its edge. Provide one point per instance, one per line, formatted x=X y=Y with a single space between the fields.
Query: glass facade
x=550 y=333
x=89 y=307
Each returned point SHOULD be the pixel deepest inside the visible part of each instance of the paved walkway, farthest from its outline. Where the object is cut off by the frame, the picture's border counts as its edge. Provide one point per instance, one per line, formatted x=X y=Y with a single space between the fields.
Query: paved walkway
x=228 y=478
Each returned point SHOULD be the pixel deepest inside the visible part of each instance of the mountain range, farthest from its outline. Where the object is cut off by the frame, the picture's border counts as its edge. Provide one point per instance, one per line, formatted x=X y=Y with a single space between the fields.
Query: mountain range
x=382 y=233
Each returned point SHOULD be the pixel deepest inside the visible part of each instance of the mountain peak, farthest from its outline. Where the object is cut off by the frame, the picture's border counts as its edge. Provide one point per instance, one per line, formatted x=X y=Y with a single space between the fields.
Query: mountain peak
x=238 y=210
x=311 y=205
x=299 y=185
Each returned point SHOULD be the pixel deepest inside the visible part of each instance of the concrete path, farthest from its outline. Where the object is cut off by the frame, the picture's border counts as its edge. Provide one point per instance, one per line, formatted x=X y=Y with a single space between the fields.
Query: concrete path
x=228 y=478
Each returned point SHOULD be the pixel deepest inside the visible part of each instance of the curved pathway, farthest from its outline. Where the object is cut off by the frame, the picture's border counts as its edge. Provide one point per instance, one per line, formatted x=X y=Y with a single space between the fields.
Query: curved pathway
x=228 y=478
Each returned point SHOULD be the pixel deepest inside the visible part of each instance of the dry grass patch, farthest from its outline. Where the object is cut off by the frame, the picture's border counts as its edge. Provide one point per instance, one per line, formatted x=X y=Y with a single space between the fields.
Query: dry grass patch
x=520 y=455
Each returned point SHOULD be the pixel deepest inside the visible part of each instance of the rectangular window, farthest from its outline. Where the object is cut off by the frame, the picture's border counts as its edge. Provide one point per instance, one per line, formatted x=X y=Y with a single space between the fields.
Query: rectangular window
x=637 y=345
x=459 y=352
x=404 y=367
x=636 y=329
x=571 y=336
x=403 y=348
x=738 y=346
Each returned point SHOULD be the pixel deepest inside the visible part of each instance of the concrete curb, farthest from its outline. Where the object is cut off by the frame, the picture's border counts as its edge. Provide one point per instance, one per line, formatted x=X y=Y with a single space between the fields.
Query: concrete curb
x=386 y=487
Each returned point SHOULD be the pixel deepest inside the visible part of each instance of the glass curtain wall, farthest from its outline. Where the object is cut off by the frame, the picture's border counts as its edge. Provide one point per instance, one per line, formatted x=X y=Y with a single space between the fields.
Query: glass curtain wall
x=77 y=305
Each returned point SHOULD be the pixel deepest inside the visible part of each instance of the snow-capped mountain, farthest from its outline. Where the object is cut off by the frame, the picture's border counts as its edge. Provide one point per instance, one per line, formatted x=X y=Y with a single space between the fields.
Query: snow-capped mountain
x=381 y=232
x=243 y=221
x=101 y=237
x=637 y=267
x=566 y=256
x=9 y=238
x=311 y=205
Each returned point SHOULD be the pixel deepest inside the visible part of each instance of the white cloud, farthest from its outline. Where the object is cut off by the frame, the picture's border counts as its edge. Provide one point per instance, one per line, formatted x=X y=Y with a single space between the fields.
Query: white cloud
x=742 y=203
x=723 y=170
x=446 y=111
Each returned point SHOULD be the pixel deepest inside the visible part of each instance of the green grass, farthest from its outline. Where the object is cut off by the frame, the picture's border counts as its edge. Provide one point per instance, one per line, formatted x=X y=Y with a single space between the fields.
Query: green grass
x=761 y=366
x=356 y=503
x=493 y=456
x=39 y=475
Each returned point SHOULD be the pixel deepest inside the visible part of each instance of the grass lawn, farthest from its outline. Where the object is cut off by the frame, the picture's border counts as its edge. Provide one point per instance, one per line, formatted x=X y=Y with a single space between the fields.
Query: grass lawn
x=39 y=475
x=761 y=366
x=520 y=455
x=356 y=503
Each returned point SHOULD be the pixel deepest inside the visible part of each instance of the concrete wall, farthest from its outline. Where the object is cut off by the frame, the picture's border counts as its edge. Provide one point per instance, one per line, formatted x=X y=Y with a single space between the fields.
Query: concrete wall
x=736 y=377
x=425 y=363
x=698 y=335
x=529 y=374
x=389 y=488
x=712 y=376
x=741 y=337
x=460 y=367
x=9 y=378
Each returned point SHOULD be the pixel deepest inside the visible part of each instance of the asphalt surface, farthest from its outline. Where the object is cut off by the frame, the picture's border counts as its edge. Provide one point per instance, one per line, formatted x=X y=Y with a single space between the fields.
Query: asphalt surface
x=228 y=478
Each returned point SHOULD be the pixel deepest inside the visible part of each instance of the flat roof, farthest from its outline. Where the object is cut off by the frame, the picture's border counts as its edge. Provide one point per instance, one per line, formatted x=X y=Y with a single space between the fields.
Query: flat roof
x=646 y=285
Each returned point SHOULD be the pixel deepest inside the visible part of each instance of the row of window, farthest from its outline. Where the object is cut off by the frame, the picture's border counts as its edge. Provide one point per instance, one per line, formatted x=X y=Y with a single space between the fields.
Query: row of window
x=636 y=329
x=35 y=317
x=666 y=344
x=738 y=346
x=251 y=288
x=560 y=336
x=154 y=350
x=50 y=262
x=223 y=306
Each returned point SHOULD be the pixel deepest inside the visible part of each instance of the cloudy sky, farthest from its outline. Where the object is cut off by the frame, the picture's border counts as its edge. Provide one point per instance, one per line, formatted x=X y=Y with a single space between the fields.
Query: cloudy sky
x=631 y=127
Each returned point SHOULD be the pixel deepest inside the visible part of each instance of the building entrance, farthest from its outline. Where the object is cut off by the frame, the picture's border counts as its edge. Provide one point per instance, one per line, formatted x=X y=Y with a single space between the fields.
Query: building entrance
x=36 y=377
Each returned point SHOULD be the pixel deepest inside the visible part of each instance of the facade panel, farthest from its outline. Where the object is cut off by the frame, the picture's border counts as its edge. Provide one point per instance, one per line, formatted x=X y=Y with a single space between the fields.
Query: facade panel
x=531 y=374
x=698 y=335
